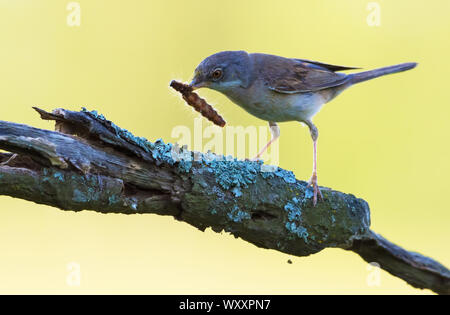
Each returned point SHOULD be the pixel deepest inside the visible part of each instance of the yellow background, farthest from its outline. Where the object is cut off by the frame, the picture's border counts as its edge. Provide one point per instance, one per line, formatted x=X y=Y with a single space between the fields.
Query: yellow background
x=386 y=140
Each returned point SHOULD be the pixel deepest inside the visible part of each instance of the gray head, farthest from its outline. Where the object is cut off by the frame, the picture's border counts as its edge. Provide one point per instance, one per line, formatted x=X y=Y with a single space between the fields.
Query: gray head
x=223 y=71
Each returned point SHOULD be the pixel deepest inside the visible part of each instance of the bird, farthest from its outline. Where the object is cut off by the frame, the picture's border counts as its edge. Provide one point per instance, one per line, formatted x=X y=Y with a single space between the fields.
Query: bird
x=278 y=89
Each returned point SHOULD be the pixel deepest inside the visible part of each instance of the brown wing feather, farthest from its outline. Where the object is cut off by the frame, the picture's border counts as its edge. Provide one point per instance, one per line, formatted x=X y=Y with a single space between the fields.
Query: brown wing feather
x=291 y=76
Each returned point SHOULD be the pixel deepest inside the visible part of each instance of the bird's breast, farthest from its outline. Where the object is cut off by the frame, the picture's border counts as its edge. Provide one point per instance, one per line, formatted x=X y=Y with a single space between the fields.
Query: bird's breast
x=266 y=104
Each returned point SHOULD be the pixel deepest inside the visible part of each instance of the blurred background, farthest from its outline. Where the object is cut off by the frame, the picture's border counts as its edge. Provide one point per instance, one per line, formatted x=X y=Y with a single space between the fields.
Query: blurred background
x=385 y=140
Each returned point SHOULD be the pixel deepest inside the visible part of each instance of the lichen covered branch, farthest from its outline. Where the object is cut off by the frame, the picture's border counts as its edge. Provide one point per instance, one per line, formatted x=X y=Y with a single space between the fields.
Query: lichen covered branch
x=90 y=163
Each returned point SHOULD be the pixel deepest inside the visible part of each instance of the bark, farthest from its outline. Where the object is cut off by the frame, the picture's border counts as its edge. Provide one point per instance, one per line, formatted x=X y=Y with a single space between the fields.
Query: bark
x=89 y=163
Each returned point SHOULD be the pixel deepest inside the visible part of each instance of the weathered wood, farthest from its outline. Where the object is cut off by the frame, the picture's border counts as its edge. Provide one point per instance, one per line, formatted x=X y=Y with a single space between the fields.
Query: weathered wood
x=90 y=163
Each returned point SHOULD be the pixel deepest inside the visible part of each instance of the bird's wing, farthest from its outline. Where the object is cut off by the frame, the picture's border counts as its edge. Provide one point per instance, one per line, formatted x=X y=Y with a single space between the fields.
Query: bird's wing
x=333 y=68
x=292 y=76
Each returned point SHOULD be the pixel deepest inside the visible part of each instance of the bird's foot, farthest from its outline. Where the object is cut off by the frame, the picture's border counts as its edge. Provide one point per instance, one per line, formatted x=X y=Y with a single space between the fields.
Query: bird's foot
x=255 y=159
x=258 y=156
x=317 y=194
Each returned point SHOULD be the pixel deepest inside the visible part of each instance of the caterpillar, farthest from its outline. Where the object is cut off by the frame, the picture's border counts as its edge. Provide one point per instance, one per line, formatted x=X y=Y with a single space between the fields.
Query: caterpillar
x=198 y=103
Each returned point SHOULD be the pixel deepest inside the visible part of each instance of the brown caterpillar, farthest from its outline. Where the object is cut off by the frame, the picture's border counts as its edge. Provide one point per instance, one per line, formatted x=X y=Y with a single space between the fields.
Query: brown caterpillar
x=198 y=103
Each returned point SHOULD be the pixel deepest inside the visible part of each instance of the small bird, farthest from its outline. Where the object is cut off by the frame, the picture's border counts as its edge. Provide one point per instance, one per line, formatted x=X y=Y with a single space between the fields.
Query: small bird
x=278 y=89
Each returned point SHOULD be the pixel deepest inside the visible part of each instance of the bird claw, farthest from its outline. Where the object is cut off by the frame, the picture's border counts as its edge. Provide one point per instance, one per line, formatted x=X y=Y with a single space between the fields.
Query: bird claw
x=257 y=157
x=317 y=194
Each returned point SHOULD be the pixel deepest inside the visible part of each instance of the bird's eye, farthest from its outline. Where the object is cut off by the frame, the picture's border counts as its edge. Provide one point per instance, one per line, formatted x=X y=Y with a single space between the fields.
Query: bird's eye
x=216 y=74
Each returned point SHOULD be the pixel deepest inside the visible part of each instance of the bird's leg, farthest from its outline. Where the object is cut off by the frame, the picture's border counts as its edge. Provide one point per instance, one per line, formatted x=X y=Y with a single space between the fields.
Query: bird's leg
x=275 y=132
x=313 y=181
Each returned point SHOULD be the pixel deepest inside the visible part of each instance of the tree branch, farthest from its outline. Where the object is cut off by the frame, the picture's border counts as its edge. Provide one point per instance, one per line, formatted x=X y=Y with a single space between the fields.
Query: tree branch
x=90 y=163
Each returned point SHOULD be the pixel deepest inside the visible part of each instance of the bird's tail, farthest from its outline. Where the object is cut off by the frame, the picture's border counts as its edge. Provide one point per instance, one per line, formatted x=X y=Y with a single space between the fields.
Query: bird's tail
x=372 y=74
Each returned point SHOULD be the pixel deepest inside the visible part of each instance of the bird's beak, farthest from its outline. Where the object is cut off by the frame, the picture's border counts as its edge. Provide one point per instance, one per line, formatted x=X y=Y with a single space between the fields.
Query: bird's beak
x=197 y=82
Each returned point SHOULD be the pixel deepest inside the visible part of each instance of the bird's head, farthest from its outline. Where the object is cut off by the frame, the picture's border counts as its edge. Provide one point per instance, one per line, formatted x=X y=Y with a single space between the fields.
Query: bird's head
x=223 y=71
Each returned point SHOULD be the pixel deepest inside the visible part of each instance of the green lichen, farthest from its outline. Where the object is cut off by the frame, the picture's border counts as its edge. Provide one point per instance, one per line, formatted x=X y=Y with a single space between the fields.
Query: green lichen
x=237 y=215
x=59 y=176
x=299 y=230
x=234 y=173
x=294 y=217
x=114 y=199
x=236 y=192
x=86 y=196
x=160 y=151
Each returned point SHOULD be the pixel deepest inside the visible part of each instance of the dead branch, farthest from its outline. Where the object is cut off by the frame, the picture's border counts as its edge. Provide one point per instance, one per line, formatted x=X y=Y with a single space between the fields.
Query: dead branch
x=89 y=163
